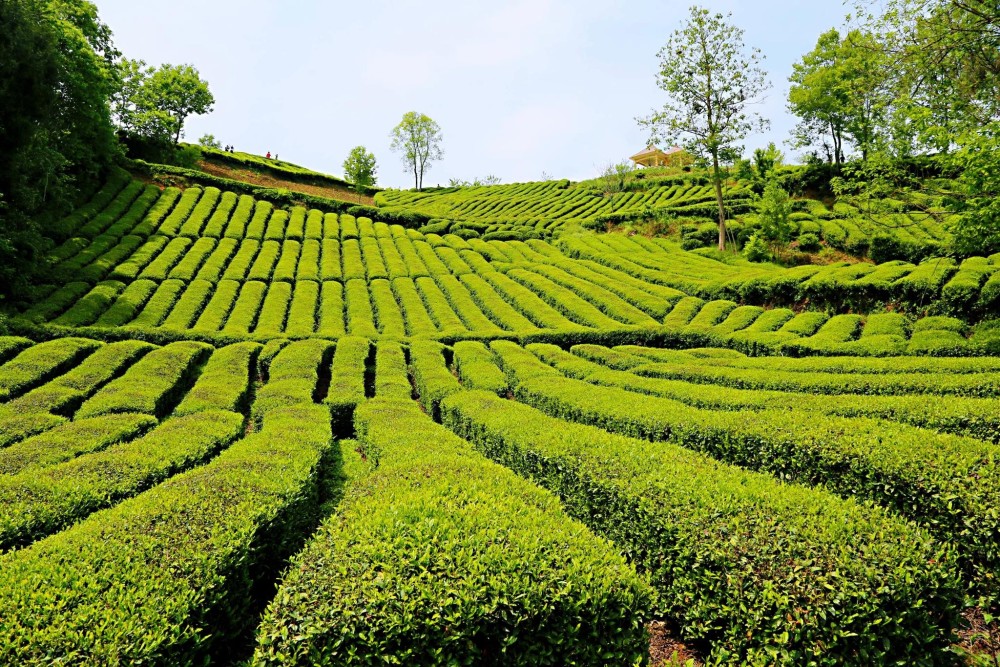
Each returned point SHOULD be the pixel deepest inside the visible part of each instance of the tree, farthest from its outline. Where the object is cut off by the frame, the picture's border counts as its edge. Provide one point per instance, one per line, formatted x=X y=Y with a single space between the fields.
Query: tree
x=152 y=103
x=711 y=80
x=179 y=91
x=942 y=67
x=56 y=133
x=360 y=167
x=209 y=141
x=774 y=209
x=417 y=139
x=838 y=94
x=615 y=178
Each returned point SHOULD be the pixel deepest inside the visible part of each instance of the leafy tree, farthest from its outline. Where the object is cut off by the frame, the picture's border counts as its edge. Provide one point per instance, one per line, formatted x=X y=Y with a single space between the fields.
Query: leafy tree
x=132 y=74
x=179 y=91
x=774 y=209
x=417 y=139
x=615 y=178
x=977 y=199
x=765 y=160
x=838 y=94
x=942 y=67
x=943 y=64
x=152 y=103
x=711 y=80
x=209 y=141
x=56 y=134
x=360 y=167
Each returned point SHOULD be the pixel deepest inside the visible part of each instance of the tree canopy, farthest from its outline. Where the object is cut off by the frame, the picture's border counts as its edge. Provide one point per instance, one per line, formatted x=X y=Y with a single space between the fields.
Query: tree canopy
x=56 y=135
x=838 y=94
x=711 y=80
x=152 y=103
x=417 y=139
x=360 y=168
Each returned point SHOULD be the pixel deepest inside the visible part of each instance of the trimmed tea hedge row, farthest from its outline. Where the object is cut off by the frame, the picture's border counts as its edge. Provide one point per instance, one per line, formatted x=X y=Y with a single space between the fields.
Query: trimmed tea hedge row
x=475 y=365
x=173 y=575
x=64 y=394
x=945 y=482
x=976 y=417
x=634 y=355
x=431 y=377
x=740 y=561
x=438 y=556
x=40 y=363
x=69 y=440
x=153 y=385
x=40 y=502
x=351 y=359
x=961 y=384
x=12 y=345
x=293 y=377
x=225 y=382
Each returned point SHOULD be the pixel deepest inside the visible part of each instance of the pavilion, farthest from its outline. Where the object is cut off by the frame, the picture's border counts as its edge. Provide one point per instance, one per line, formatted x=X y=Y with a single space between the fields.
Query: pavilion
x=652 y=156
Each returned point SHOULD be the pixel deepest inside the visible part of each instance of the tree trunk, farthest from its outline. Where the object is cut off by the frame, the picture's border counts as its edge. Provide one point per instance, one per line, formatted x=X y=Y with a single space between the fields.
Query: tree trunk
x=717 y=177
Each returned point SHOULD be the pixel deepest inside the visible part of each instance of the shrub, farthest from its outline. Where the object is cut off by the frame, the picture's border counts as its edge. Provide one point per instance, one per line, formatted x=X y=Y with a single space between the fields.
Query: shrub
x=227 y=526
x=478 y=546
x=808 y=242
x=751 y=565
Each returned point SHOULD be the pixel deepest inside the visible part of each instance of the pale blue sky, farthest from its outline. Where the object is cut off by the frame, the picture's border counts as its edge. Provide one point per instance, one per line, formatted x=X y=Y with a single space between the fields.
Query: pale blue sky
x=519 y=88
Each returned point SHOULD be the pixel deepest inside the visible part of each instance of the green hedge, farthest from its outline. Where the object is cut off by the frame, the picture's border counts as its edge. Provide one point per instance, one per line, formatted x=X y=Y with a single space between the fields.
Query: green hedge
x=38 y=364
x=476 y=366
x=154 y=385
x=741 y=562
x=975 y=417
x=37 y=503
x=218 y=536
x=64 y=394
x=945 y=482
x=72 y=439
x=347 y=389
x=293 y=376
x=431 y=376
x=225 y=382
x=437 y=556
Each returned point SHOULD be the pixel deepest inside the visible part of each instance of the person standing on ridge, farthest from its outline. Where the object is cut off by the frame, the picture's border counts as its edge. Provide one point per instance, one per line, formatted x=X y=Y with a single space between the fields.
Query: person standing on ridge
x=269 y=155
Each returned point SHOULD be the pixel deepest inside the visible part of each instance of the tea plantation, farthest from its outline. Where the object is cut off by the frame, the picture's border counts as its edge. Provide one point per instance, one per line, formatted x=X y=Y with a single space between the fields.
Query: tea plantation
x=234 y=430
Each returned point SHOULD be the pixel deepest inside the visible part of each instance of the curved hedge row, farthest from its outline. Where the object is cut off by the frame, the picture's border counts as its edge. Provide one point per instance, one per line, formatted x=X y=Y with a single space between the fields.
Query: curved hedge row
x=738 y=560
x=438 y=556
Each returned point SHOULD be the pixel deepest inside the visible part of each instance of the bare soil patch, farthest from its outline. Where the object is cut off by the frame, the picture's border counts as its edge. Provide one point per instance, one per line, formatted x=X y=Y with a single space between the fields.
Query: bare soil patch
x=665 y=650
x=266 y=181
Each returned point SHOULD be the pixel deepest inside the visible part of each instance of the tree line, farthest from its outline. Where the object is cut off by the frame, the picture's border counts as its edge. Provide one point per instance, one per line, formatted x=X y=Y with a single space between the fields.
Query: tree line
x=69 y=100
x=908 y=82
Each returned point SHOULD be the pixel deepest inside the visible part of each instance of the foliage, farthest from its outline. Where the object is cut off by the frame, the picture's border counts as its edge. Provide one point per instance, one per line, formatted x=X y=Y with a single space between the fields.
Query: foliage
x=773 y=210
x=839 y=94
x=756 y=250
x=489 y=179
x=613 y=483
x=711 y=81
x=57 y=136
x=977 y=199
x=360 y=168
x=152 y=103
x=417 y=139
x=209 y=141
x=521 y=582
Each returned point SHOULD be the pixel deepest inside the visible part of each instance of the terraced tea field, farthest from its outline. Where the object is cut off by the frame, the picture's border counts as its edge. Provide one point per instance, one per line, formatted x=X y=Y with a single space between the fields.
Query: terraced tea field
x=236 y=433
